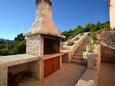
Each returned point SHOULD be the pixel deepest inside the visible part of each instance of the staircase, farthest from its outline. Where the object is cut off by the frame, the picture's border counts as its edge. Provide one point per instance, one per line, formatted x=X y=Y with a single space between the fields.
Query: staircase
x=78 y=56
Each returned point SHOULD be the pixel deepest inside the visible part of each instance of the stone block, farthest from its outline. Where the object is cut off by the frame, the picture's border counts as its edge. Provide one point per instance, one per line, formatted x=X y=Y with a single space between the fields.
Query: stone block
x=92 y=61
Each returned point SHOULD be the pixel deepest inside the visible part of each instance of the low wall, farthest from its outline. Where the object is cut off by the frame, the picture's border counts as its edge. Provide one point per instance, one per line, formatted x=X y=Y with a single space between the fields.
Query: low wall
x=107 y=40
x=90 y=77
x=107 y=54
x=65 y=57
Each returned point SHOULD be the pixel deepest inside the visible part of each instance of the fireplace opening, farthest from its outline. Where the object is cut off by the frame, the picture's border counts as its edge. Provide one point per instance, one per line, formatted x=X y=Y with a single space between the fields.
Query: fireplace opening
x=51 y=46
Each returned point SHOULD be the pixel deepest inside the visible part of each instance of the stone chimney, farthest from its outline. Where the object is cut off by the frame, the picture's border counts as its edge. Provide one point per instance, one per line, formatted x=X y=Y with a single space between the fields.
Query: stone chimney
x=43 y=25
x=43 y=9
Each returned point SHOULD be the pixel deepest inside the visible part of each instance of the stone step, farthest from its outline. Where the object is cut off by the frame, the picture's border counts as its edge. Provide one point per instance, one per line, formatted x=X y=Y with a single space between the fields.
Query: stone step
x=78 y=56
x=79 y=52
x=83 y=46
x=78 y=62
x=82 y=49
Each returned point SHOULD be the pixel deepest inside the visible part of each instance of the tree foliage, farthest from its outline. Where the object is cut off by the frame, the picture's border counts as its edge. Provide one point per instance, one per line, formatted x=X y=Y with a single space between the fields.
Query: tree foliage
x=20 y=37
x=18 y=46
x=98 y=27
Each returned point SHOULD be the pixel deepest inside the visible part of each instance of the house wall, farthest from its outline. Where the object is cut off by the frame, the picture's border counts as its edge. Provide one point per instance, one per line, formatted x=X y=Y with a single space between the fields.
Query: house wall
x=112 y=14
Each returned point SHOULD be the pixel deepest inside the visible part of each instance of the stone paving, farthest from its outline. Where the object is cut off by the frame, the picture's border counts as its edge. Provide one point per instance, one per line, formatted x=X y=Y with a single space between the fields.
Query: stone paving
x=107 y=75
x=68 y=75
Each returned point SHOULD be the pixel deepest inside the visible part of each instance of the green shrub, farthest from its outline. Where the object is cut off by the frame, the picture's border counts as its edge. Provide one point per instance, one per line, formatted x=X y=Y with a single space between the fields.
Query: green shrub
x=4 y=51
x=14 y=48
x=92 y=40
x=20 y=47
x=71 y=43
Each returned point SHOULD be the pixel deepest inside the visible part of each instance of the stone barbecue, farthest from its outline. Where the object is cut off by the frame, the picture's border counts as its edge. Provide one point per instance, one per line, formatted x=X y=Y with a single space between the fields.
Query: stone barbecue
x=43 y=39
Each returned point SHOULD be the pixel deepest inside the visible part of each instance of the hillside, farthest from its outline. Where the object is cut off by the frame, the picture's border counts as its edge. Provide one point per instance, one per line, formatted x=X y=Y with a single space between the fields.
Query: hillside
x=98 y=27
x=5 y=41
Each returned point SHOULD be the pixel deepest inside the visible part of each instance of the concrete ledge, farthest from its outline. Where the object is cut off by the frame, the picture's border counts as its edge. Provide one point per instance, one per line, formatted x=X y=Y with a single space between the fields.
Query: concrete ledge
x=15 y=61
x=18 y=59
x=3 y=74
x=88 y=78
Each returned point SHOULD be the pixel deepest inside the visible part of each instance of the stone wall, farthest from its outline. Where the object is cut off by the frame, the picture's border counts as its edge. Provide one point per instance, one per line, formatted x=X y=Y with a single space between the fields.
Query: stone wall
x=107 y=41
x=107 y=54
x=33 y=45
x=90 y=77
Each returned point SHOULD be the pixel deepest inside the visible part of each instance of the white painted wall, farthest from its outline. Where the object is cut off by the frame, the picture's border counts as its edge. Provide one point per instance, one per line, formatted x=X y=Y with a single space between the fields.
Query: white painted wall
x=112 y=14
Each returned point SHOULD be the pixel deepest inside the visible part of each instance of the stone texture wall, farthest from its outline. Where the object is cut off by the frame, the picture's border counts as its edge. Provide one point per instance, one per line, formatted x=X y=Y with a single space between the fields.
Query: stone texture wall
x=91 y=75
x=107 y=40
x=43 y=10
x=107 y=54
x=47 y=10
x=33 y=45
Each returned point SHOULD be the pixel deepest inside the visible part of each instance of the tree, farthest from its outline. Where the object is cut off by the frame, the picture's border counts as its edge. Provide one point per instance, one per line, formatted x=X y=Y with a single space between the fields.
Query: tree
x=79 y=29
x=18 y=46
x=97 y=27
x=20 y=37
x=88 y=26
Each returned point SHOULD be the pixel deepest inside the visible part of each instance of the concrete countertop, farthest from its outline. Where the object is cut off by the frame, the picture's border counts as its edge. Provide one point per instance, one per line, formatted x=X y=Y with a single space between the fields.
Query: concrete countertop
x=45 y=57
x=12 y=60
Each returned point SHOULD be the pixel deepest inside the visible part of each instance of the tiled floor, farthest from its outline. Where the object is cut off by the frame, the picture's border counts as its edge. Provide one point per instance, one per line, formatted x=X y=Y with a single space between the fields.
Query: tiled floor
x=68 y=75
x=107 y=75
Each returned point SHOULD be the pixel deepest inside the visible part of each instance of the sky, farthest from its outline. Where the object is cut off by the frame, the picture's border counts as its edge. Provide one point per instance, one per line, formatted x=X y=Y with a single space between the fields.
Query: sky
x=17 y=16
